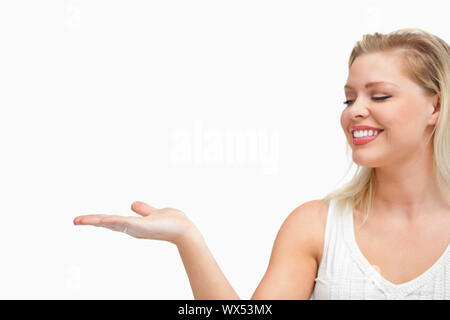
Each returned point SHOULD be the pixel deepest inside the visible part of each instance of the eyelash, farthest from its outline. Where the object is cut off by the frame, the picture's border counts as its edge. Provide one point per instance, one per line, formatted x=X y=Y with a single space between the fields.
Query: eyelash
x=348 y=102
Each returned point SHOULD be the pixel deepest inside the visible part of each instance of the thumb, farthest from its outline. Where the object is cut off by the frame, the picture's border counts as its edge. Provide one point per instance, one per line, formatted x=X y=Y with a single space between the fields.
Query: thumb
x=142 y=208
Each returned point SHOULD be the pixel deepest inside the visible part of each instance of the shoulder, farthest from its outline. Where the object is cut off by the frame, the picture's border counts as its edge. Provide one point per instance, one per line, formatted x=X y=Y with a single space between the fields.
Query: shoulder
x=293 y=265
x=312 y=213
x=312 y=209
x=307 y=226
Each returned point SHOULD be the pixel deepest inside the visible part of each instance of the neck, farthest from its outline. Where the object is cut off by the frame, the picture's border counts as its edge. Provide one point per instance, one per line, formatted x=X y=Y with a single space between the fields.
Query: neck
x=409 y=188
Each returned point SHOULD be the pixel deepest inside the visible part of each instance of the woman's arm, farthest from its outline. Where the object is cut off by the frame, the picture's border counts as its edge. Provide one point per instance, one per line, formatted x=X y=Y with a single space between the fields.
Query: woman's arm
x=205 y=276
x=293 y=262
x=292 y=266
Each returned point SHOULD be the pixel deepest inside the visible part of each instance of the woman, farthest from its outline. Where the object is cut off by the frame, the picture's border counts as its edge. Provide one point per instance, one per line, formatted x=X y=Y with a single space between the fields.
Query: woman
x=383 y=235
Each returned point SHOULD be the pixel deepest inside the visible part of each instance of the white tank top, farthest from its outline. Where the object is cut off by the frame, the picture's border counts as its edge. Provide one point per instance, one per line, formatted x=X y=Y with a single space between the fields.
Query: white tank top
x=344 y=273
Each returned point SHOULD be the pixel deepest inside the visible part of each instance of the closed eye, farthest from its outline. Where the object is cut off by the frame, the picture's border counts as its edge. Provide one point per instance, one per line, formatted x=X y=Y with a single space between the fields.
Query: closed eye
x=348 y=102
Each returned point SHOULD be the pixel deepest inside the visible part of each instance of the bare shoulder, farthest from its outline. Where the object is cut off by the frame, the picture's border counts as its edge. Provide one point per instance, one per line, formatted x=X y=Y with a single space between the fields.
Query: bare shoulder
x=293 y=263
x=309 y=219
x=314 y=209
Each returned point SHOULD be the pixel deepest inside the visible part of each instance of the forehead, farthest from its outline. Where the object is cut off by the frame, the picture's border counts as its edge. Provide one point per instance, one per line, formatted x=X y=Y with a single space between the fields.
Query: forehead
x=376 y=67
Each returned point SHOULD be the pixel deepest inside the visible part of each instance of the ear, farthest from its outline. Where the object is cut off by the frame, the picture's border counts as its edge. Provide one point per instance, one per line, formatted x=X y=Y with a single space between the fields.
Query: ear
x=436 y=108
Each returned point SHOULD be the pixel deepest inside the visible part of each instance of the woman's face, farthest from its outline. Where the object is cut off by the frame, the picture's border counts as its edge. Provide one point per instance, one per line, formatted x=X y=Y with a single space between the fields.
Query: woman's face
x=407 y=114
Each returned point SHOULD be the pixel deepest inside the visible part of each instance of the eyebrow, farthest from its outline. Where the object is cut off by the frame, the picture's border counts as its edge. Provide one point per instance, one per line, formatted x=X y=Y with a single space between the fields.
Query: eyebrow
x=374 y=83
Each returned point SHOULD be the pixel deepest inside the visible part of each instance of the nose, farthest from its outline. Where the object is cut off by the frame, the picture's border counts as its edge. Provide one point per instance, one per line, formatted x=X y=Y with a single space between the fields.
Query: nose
x=359 y=108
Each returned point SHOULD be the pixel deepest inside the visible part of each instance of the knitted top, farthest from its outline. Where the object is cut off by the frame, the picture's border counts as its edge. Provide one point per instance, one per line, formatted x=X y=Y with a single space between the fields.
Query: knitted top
x=344 y=273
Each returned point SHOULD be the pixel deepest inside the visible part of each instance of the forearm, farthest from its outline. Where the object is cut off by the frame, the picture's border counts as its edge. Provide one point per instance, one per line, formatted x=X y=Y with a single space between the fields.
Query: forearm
x=205 y=276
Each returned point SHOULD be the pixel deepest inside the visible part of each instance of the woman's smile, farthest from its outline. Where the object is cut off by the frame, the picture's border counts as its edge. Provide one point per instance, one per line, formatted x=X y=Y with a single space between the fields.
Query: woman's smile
x=364 y=138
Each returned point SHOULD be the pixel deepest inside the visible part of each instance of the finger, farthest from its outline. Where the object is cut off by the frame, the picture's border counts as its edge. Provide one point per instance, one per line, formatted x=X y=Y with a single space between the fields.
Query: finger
x=91 y=219
x=142 y=208
x=116 y=223
x=83 y=219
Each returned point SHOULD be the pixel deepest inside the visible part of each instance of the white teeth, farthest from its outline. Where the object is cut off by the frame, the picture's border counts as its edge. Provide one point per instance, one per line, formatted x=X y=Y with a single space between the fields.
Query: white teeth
x=364 y=133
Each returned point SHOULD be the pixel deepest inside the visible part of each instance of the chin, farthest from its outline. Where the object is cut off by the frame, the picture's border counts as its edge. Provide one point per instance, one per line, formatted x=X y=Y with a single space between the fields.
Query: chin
x=366 y=161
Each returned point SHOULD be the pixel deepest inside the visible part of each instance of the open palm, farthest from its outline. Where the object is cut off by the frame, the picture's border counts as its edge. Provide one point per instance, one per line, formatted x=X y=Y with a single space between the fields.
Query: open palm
x=167 y=224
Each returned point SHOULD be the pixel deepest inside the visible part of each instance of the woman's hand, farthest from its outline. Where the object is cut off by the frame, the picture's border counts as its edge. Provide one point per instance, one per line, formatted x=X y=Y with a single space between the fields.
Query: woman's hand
x=158 y=224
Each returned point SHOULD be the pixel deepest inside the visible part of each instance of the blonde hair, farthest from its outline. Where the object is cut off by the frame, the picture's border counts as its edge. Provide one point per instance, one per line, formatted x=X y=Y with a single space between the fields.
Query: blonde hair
x=426 y=61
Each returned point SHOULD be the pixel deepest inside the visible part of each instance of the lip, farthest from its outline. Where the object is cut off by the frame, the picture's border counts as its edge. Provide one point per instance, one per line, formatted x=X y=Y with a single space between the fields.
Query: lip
x=364 y=127
x=365 y=140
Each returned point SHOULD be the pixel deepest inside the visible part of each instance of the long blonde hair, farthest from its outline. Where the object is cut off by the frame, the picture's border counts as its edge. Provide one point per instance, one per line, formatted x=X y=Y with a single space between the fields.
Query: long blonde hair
x=426 y=60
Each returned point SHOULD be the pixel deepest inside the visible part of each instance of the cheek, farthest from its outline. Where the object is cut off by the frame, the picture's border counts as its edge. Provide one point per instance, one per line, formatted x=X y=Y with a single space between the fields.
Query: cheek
x=400 y=121
x=345 y=121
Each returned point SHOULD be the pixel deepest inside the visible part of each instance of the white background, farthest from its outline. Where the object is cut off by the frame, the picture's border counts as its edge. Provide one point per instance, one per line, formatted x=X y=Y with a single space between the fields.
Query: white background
x=104 y=103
